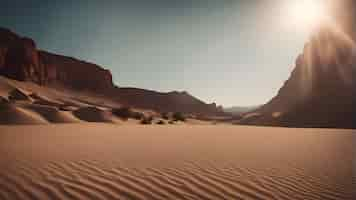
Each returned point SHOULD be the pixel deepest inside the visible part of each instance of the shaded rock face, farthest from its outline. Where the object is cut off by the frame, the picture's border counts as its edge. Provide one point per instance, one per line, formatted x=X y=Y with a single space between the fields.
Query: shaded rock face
x=20 y=60
x=321 y=89
x=74 y=73
x=166 y=102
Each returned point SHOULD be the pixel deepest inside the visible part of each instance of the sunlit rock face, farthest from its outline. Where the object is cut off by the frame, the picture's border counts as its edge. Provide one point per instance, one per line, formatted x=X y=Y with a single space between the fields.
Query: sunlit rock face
x=321 y=89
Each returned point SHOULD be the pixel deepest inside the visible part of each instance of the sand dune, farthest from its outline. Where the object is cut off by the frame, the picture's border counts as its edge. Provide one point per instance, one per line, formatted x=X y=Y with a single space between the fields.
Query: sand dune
x=14 y=114
x=33 y=103
x=18 y=94
x=5 y=86
x=96 y=161
x=52 y=114
x=11 y=114
x=28 y=103
x=94 y=114
x=53 y=96
x=43 y=100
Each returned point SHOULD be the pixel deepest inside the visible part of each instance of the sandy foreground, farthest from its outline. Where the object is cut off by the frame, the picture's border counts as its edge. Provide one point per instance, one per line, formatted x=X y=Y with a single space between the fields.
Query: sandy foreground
x=103 y=161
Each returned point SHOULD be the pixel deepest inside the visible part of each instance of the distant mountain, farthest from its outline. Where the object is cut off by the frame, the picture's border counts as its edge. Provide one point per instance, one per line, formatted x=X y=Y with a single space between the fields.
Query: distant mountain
x=321 y=89
x=21 y=60
x=237 y=110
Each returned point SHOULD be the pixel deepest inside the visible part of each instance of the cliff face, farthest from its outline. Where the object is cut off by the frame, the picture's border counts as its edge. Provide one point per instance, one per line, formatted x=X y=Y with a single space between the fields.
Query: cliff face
x=21 y=60
x=74 y=73
x=321 y=89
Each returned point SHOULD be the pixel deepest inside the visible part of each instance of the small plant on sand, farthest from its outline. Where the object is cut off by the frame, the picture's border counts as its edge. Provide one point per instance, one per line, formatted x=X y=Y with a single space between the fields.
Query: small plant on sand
x=126 y=113
x=146 y=120
x=123 y=112
x=165 y=115
x=161 y=122
x=137 y=115
x=178 y=116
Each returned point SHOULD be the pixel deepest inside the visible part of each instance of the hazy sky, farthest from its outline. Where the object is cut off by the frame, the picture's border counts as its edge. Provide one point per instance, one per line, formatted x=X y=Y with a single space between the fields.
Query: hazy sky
x=226 y=51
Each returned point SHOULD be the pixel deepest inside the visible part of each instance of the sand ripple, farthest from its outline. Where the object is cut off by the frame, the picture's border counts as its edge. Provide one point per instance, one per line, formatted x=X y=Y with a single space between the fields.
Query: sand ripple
x=90 y=180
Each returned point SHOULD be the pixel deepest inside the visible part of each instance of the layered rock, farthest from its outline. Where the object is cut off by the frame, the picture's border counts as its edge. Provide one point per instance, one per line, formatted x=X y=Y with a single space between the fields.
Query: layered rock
x=166 y=102
x=21 y=60
x=75 y=73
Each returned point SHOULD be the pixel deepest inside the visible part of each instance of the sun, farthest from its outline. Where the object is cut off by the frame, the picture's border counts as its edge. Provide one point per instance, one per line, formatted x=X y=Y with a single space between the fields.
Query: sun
x=307 y=13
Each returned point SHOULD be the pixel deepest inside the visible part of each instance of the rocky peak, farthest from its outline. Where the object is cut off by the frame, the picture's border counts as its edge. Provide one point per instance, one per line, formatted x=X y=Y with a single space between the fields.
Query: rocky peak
x=320 y=91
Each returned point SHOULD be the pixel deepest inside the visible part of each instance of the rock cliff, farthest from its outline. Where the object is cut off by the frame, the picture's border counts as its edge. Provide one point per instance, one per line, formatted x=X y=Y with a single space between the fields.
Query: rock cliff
x=320 y=91
x=21 y=60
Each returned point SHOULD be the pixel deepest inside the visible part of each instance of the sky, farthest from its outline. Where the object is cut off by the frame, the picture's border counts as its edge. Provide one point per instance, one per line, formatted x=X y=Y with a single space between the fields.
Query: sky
x=232 y=52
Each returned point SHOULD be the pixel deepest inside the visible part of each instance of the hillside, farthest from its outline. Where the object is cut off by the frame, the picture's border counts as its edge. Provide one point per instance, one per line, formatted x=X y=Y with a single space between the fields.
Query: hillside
x=320 y=91
x=21 y=60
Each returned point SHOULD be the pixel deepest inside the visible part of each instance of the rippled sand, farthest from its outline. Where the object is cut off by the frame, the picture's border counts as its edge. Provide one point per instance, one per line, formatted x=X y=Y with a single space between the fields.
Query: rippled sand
x=102 y=161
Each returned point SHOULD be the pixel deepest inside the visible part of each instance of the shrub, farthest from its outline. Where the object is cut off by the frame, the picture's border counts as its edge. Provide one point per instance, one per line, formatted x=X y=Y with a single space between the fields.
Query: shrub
x=123 y=112
x=146 y=120
x=126 y=113
x=165 y=115
x=137 y=115
x=177 y=116
x=161 y=122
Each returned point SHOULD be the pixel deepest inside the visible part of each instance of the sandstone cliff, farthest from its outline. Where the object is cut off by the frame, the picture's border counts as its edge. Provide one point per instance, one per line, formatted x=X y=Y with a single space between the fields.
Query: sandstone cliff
x=21 y=60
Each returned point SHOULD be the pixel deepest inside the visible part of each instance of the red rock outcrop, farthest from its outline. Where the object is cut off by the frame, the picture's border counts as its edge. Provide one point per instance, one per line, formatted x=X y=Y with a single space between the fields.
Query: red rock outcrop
x=21 y=60
x=75 y=73
x=166 y=102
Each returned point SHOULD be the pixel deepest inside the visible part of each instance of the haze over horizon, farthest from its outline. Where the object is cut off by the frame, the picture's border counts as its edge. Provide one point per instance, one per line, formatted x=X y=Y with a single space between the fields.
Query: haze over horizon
x=234 y=53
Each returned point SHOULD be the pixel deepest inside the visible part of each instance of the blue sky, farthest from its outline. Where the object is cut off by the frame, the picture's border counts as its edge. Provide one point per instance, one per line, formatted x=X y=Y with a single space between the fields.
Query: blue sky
x=228 y=52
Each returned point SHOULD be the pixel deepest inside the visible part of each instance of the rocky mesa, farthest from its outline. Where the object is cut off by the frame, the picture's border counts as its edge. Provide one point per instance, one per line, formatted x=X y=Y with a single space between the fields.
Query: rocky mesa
x=21 y=60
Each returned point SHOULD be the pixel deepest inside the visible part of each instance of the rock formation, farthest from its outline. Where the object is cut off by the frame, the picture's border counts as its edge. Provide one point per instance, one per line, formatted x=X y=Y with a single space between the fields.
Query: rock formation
x=321 y=89
x=21 y=60
x=166 y=102
x=75 y=73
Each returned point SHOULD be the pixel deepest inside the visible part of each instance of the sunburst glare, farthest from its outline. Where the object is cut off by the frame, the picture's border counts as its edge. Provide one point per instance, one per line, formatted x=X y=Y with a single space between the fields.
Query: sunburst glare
x=307 y=14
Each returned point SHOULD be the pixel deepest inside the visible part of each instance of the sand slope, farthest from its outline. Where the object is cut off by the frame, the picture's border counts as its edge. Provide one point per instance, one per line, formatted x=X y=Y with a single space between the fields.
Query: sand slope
x=52 y=114
x=11 y=114
x=28 y=103
x=101 y=161
x=94 y=114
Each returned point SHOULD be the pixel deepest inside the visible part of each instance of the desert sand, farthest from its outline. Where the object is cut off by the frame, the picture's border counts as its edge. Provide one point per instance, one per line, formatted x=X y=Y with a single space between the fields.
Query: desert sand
x=26 y=103
x=109 y=161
